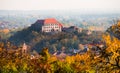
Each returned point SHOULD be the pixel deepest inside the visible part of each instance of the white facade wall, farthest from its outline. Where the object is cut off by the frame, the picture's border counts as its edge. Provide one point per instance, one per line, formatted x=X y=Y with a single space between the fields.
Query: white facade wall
x=51 y=27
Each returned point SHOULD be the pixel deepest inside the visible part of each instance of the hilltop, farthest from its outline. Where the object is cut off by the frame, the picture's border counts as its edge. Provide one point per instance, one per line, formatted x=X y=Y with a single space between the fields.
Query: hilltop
x=37 y=40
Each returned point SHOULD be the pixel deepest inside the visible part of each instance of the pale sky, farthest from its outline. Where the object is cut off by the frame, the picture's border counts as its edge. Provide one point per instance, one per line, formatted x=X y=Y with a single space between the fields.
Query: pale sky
x=96 y=5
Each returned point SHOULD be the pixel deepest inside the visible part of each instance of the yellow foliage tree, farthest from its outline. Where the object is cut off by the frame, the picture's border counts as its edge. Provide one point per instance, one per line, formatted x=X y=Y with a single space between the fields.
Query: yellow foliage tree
x=110 y=58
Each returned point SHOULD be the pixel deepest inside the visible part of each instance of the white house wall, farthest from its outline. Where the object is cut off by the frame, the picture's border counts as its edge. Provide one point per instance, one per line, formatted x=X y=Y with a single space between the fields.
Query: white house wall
x=50 y=27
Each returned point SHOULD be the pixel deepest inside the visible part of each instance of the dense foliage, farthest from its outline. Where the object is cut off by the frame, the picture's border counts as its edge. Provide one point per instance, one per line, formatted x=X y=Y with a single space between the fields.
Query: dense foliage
x=114 y=30
x=12 y=60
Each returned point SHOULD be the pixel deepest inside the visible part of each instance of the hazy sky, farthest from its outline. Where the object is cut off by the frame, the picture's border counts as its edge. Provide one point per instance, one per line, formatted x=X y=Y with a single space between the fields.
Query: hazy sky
x=90 y=5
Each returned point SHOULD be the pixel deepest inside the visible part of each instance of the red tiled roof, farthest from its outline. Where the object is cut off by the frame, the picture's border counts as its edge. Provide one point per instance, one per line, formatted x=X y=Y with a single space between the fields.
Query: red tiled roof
x=52 y=21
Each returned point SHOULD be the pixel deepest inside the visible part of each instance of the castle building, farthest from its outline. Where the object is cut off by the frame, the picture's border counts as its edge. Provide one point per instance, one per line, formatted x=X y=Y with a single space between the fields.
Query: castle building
x=50 y=25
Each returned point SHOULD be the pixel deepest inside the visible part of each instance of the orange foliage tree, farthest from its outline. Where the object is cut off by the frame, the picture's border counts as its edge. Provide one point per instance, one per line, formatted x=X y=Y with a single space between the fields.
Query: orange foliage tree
x=109 y=61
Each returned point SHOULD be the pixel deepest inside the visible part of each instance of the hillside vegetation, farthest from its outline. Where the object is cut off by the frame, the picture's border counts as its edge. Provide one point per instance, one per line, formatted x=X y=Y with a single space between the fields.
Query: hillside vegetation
x=37 y=40
x=114 y=30
x=108 y=61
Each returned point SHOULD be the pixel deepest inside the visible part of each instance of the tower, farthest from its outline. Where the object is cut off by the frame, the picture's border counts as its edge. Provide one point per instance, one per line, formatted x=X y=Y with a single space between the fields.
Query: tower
x=24 y=48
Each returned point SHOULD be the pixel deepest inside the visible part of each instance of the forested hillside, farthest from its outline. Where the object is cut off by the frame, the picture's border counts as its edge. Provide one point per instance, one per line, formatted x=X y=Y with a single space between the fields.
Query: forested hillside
x=33 y=37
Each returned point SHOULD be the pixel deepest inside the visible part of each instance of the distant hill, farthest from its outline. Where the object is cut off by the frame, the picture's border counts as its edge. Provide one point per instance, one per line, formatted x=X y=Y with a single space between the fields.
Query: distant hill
x=36 y=39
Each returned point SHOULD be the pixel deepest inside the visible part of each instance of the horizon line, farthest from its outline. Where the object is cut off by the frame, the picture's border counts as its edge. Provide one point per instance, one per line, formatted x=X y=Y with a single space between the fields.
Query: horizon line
x=71 y=11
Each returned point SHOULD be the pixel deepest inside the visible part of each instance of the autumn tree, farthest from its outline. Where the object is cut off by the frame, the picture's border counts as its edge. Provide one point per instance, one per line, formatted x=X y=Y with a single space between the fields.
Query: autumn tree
x=109 y=61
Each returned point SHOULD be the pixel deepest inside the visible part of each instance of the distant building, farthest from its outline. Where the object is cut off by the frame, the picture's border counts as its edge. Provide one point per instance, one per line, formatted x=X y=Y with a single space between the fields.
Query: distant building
x=50 y=25
x=60 y=55
x=89 y=32
x=72 y=29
